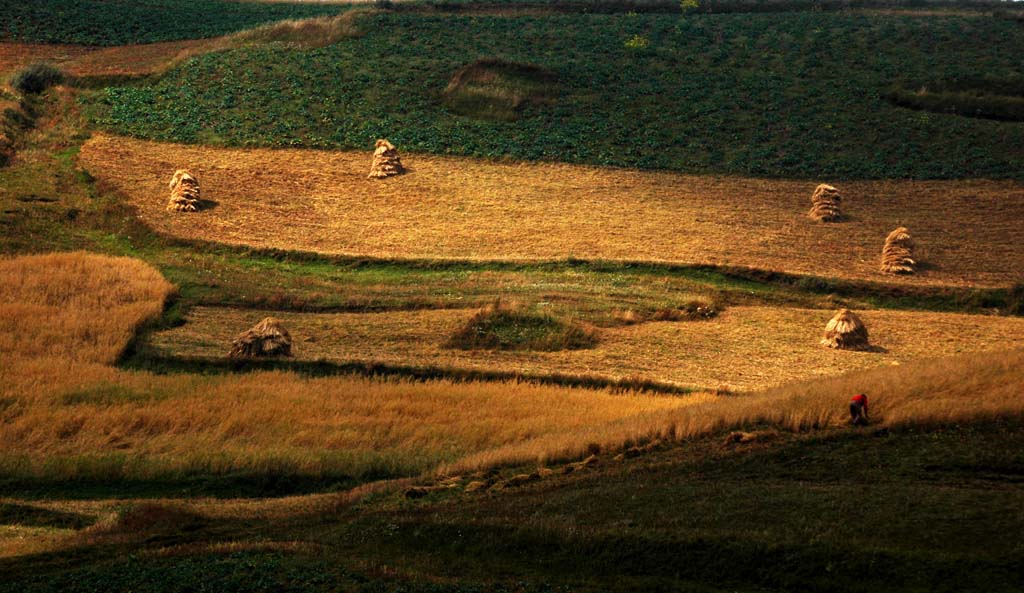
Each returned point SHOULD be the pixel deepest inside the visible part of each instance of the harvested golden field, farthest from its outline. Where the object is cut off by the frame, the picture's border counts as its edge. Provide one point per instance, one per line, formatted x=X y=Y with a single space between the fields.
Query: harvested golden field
x=744 y=348
x=76 y=306
x=125 y=60
x=967 y=232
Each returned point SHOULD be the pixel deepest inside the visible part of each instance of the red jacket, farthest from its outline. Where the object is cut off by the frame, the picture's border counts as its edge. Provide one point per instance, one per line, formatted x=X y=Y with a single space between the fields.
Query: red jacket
x=860 y=399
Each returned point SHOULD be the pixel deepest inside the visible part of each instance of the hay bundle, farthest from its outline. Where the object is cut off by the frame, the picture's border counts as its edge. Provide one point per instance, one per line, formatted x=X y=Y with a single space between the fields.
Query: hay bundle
x=385 y=161
x=897 y=253
x=846 y=331
x=267 y=338
x=825 y=204
x=184 y=192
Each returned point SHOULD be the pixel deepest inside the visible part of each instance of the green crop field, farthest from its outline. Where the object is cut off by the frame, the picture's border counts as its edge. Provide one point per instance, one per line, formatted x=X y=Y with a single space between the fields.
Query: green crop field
x=119 y=22
x=785 y=95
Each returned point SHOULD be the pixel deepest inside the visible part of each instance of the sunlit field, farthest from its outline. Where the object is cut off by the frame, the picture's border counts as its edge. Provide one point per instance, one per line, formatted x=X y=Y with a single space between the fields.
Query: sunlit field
x=744 y=348
x=471 y=209
x=577 y=345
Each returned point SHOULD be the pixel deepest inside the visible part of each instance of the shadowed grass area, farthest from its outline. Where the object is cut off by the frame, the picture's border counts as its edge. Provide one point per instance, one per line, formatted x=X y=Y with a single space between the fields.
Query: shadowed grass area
x=491 y=88
x=702 y=517
x=12 y=513
x=985 y=98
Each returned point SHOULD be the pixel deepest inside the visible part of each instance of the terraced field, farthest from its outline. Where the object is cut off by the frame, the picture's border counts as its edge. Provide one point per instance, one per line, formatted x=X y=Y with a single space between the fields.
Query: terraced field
x=745 y=348
x=968 y=232
x=395 y=450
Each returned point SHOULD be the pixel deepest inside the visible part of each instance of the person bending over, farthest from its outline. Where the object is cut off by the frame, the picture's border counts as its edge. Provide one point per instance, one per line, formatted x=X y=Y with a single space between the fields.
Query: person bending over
x=859 y=410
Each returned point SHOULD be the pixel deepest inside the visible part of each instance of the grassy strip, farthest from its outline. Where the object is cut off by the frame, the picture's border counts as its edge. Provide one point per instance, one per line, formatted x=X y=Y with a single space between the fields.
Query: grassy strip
x=729 y=279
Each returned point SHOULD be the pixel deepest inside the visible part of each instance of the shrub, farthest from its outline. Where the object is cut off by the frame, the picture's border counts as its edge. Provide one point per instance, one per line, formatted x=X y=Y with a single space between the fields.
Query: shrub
x=637 y=42
x=689 y=311
x=37 y=78
x=503 y=327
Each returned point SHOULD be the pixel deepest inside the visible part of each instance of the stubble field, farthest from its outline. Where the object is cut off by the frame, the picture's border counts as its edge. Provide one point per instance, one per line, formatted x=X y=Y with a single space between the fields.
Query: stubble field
x=744 y=349
x=968 y=232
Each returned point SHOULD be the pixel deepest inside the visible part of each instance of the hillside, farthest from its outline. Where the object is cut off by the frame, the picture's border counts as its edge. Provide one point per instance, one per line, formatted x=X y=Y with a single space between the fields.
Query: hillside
x=781 y=95
x=576 y=344
x=123 y=22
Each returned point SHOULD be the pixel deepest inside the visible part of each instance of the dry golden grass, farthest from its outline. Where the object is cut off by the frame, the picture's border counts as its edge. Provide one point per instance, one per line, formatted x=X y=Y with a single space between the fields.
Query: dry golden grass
x=124 y=60
x=744 y=348
x=158 y=426
x=71 y=419
x=14 y=56
x=960 y=389
x=969 y=232
x=305 y=33
x=76 y=306
x=930 y=392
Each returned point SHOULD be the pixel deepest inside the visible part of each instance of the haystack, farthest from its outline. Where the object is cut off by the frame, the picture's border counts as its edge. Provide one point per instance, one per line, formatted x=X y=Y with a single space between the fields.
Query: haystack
x=184 y=192
x=825 y=204
x=267 y=338
x=385 y=161
x=846 y=332
x=897 y=253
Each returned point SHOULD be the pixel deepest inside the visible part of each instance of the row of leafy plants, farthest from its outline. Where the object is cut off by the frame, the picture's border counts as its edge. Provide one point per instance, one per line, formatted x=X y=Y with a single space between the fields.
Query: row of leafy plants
x=707 y=6
x=121 y=22
x=792 y=95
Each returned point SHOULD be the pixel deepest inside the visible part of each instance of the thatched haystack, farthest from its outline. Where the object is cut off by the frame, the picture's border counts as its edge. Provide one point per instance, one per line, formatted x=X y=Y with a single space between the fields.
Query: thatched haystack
x=825 y=204
x=897 y=255
x=385 y=161
x=846 y=331
x=184 y=192
x=267 y=338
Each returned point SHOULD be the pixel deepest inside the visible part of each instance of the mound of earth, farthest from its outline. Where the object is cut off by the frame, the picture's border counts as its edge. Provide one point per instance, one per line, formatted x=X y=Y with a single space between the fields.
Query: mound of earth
x=498 y=89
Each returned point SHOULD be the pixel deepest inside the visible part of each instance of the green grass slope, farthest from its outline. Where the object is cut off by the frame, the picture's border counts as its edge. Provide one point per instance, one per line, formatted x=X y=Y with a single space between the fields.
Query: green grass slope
x=120 y=22
x=792 y=95
x=846 y=512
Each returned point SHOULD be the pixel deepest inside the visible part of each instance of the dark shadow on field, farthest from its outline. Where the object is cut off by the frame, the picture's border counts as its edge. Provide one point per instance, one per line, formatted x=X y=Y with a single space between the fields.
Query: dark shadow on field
x=145 y=360
x=695 y=562
x=238 y=485
x=12 y=513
